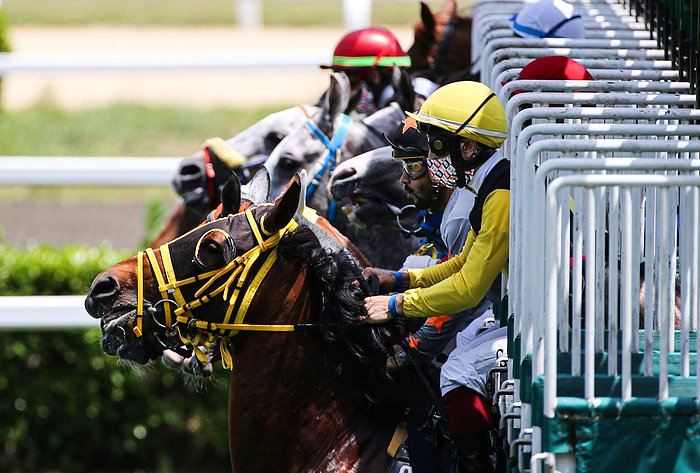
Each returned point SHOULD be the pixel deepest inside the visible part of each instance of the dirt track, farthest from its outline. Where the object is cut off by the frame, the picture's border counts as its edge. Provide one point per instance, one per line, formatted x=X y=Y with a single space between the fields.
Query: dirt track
x=76 y=90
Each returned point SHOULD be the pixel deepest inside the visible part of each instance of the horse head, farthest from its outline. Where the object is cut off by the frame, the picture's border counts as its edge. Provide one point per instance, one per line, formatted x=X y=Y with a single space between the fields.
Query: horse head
x=148 y=294
x=199 y=177
x=327 y=137
x=370 y=186
x=442 y=44
x=169 y=296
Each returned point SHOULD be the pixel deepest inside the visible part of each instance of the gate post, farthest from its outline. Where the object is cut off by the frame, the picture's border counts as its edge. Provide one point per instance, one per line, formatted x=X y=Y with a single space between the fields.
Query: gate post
x=356 y=14
x=248 y=13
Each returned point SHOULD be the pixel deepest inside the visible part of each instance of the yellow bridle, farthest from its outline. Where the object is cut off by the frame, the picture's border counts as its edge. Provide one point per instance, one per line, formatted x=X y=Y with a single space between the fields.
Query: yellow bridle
x=234 y=289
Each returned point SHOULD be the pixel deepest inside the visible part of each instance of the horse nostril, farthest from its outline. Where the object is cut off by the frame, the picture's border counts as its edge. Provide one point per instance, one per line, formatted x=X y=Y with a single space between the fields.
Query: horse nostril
x=190 y=170
x=189 y=177
x=337 y=187
x=104 y=288
x=344 y=174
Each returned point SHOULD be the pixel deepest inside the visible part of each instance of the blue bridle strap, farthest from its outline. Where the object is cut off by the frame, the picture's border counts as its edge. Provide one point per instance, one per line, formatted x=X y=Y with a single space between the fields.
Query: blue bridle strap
x=430 y=224
x=332 y=145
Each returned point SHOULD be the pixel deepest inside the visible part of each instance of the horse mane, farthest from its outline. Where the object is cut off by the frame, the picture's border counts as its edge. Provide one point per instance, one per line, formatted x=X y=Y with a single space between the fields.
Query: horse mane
x=335 y=276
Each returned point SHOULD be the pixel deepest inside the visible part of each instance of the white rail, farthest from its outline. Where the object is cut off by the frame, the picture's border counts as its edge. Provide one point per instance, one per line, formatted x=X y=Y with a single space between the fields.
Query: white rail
x=19 y=313
x=160 y=61
x=66 y=312
x=87 y=171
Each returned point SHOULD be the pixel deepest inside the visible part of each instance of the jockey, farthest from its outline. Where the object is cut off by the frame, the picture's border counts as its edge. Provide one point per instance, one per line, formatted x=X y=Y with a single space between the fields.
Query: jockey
x=554 y=68
x=545 y=19
x=465 y=124
x=368 y=57
x=548 y=19
x=430 y=185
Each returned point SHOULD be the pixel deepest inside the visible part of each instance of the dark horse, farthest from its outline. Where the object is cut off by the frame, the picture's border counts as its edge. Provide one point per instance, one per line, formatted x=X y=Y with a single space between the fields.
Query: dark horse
x=442 y=46
x=300 y=401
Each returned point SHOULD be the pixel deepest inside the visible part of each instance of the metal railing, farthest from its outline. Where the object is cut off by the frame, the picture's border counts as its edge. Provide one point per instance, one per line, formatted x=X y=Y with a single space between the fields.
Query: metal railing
x=658 y=122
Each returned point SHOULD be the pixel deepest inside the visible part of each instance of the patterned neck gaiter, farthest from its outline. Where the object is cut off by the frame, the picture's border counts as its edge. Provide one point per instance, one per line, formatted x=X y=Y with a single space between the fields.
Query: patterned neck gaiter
x=366 y=105
x=442 y=173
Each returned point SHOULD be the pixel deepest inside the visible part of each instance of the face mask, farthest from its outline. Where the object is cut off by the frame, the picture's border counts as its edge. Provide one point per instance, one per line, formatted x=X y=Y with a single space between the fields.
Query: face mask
x=442 y=173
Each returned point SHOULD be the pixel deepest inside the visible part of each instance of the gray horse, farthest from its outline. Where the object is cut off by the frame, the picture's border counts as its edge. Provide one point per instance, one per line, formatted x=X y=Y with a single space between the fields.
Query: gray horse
x=201 y=176
x=328 y=138
x=369 y=186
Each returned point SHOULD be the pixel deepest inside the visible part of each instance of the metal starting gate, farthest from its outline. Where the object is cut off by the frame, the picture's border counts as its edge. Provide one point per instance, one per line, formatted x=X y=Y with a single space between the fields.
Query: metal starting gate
x=602 y=304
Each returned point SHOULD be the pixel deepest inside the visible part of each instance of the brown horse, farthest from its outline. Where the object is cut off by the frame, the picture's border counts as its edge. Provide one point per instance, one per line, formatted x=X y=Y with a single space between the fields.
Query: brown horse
x=442 y=45
x=299 y=402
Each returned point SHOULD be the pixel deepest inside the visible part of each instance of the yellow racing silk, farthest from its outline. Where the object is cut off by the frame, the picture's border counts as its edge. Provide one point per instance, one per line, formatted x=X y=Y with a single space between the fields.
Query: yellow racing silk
x=462 y=282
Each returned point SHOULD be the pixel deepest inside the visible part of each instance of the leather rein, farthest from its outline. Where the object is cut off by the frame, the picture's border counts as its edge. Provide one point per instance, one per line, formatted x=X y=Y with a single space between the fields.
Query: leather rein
x=239 y=281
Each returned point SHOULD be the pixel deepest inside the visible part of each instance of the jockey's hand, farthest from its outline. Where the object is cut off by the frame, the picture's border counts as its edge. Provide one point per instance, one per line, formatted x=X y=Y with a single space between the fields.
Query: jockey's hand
x=387 y=280
x=377 y=309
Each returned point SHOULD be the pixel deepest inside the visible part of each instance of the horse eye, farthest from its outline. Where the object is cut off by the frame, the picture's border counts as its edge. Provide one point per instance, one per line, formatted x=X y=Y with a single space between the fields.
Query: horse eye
x=272 y=139
x=214 y=250
x=289 y=165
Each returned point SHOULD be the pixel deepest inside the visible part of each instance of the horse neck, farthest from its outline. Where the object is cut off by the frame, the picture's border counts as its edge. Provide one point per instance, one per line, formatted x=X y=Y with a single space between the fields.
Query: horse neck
x=384 y=120
x=344 y=241
x=292 y=407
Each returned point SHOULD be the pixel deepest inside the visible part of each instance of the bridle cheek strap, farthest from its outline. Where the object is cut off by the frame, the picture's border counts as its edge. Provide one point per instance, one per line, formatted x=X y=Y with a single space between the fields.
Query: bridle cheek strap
x=138 y=329
x=333 y=146
x=239 y=274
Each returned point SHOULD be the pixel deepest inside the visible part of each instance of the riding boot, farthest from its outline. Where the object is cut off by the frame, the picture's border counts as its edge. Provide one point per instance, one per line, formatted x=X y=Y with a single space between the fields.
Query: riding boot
x=476 y=452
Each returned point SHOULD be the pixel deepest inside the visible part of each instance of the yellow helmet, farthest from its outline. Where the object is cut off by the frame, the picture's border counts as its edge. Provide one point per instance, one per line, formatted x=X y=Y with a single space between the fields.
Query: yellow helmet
x=468 y=109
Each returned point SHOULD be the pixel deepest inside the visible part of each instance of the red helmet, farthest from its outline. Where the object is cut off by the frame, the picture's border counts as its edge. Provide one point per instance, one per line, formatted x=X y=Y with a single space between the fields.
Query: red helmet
x=555 y=68
x=369 y=47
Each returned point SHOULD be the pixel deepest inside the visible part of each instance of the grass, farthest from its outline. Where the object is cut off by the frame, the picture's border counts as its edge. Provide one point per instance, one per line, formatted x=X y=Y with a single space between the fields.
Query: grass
x=198 y=12
x=119 y=130
x=116 y=130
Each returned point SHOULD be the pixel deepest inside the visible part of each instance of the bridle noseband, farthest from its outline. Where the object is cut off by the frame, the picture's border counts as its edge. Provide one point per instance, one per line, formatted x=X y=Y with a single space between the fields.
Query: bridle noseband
x=240 y=279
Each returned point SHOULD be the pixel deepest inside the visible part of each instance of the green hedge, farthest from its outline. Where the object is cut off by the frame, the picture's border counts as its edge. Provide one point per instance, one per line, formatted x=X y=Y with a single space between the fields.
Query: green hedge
x=68 y=407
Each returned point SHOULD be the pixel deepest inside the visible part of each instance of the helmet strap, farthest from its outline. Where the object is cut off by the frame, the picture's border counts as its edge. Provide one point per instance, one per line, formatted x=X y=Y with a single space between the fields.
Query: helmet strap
x=462 y=165
x=483 y=153
x=458 y=161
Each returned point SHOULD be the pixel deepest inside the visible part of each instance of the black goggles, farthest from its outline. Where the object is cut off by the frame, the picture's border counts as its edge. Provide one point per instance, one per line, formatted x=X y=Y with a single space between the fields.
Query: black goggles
x=415 y=168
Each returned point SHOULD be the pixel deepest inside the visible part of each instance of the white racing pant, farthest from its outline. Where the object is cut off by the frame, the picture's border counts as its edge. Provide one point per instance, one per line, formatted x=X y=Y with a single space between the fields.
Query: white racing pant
x=474 y=356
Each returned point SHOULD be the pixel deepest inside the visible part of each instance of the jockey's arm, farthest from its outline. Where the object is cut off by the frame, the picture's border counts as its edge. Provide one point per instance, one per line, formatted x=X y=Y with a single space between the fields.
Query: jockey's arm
x=460 y=283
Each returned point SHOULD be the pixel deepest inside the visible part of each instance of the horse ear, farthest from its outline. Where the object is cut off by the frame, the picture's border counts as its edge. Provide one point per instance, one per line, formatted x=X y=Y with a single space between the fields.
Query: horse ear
x=338 y=96
x=259 y=187
x=285 y=206
x=404 y=94
x=231 y=195
x=427 y=17
x=448 y=9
